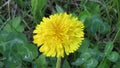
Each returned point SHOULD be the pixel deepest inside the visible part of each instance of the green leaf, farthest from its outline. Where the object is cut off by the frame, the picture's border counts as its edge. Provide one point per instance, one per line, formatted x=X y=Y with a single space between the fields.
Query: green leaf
x=66 y=64
x=15 y=48
x=59 y=9
x=12 y=60
x=3 y=38
x=38 y=9
x=20 y=28
x=83 y=16
x=96 y=24
x=16 y=36
x=22 y=3
x=91 y=63
x=28 y=52
x=116 y=65
x=117 y=36
x=96 y=53
x=104 y=64
x=0 y=2
x=10 y=64
x=52 y=62
x=108 y=48
x=16 y=22
x=82 y=59
x=78 y=62
x=118 y=24
x=103 y=28
x=113 y=56
x=86 y=55
x=84 y=46
x=14 y=25
x=1 y=64
x=1 y=22
x=40 y=62
x=90 y=6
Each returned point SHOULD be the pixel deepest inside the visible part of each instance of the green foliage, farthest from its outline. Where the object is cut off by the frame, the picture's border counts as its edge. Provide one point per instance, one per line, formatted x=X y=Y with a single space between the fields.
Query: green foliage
x=108 y=48
x=113 y=56
x=84 y=46
x=14 y=25
x=92 y=7
x=22 y=3
x=0 y=2
x=1 y=21
x=84 y=16
x=91 y=63
x=104 y=64
x=15 y=49
x=38 y=9
x=66 y=64
x=59 y=9
x=82 y=59
x=116 y=65
x=40 y=62
x=100 y=48
x=97 y=25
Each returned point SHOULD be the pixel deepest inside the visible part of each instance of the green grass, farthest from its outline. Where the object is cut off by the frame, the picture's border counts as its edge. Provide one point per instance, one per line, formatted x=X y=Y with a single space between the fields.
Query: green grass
x=100 y=49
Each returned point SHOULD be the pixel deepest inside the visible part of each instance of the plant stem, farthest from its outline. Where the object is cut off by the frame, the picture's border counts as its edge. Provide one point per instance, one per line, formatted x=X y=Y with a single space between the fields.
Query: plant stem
x=118 y=9
x=116 y=35
x=9 y=9
x=58 y=62
x=117 y=3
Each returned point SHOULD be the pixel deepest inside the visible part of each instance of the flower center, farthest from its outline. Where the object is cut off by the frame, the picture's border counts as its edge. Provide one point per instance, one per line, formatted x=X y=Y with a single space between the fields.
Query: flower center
x=58 y=31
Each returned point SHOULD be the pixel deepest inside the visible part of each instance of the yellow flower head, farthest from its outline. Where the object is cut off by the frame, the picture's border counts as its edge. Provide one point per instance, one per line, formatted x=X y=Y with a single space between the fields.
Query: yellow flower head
x=59 y=34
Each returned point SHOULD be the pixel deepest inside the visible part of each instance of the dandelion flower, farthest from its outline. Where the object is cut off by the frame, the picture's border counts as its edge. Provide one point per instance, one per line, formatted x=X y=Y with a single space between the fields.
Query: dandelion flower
x=59 y=34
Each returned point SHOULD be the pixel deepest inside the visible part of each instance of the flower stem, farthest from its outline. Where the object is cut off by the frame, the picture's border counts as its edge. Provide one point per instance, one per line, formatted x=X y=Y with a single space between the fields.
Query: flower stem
x=58 y=62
